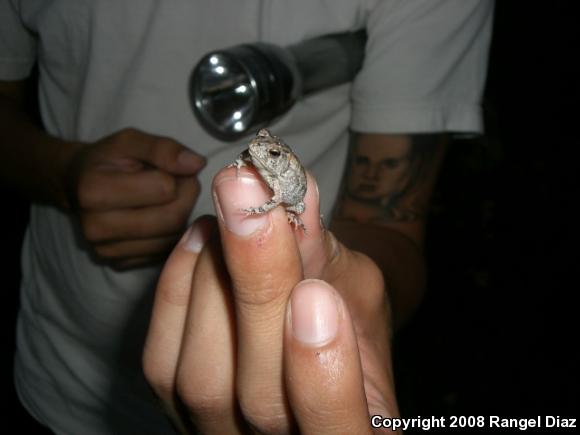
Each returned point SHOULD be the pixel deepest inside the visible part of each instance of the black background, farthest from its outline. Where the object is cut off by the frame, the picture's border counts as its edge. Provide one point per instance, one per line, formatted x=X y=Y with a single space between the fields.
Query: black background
x=496 y=334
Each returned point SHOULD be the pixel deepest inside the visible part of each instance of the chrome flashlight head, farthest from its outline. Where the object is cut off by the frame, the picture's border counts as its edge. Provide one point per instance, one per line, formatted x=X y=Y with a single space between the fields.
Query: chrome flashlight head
x=243 y=88
x=240 y=89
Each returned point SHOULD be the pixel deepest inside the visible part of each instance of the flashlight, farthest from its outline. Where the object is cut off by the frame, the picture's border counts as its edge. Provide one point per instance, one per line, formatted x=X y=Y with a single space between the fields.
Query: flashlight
x=243 y=88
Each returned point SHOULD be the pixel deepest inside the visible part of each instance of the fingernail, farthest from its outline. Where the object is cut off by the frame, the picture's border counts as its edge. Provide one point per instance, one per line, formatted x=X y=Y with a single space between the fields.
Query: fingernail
x=190 y=159
x=234 y=194
x=314 y=316
x=194 y=239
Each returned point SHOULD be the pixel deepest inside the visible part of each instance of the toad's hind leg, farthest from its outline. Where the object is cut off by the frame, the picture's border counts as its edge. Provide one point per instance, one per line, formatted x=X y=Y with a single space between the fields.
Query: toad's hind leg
x=293 y=219
x=292 y=212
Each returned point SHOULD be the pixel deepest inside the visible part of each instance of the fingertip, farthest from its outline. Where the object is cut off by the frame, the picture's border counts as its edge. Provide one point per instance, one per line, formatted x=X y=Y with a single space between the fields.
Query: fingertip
x=235 y=191
x=314 y=313
x=196 y=236
x=190 y=161
x=226 y=172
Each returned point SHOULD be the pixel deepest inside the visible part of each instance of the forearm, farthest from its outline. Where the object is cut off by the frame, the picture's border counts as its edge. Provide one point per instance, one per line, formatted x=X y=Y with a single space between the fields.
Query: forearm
x=383 y=207
x=33 y=162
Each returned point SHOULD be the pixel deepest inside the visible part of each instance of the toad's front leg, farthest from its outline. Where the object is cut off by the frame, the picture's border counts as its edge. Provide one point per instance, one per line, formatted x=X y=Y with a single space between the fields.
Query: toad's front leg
x=264 y=208
x=242 y=160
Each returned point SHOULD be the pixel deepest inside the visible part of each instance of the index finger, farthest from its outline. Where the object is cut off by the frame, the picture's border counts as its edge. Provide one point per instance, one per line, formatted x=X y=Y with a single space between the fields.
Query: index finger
x=264 y=264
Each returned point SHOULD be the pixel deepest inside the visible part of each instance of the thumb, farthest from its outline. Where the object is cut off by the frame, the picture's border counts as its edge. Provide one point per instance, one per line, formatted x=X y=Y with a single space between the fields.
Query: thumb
x=317 y=245
x=322 y=364
x=175 y=158
x=158 y=151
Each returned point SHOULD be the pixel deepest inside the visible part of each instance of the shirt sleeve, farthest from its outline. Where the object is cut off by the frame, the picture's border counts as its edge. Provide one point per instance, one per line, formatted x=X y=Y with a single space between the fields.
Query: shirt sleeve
x=17 y=44
x=424 y=68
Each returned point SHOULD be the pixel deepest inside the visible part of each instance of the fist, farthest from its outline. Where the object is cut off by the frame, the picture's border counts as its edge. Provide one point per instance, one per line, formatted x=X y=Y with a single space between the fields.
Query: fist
x=133 y=193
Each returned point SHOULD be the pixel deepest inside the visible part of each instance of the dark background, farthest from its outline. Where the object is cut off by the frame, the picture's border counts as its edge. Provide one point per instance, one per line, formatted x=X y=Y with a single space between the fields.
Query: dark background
x=497 y=332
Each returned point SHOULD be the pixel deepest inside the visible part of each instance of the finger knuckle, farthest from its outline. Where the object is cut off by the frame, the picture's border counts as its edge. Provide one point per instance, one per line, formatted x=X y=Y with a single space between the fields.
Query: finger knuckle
x=264 y=411
x=163 y=142
x=166 y=185
x=89 y=193
x=91 y=199
x=104 y=251
x=160 y=382
x=372 y=273
x=128 y=133
x=202 y=403
x=265 y=416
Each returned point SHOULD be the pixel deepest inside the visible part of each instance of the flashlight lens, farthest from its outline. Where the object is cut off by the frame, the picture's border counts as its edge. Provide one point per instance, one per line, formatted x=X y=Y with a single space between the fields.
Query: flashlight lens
x=224 y=94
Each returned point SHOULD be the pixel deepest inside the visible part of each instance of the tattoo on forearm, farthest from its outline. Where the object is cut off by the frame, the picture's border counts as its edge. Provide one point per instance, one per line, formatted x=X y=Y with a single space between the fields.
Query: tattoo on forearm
x=388 y=182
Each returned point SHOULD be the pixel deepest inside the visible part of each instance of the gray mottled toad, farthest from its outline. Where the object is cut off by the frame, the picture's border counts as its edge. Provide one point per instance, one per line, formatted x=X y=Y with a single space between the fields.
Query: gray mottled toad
x=281 y=170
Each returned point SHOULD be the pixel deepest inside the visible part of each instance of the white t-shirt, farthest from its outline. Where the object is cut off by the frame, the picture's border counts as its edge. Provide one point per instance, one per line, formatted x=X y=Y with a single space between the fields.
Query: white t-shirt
x=109 y=64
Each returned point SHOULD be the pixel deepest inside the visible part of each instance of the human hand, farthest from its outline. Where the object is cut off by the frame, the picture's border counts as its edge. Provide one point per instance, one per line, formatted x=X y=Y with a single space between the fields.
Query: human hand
x=244 y=342
x=133 y=193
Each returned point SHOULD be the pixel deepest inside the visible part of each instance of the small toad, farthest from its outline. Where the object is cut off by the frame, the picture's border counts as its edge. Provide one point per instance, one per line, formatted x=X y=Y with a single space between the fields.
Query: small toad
x=281 y=170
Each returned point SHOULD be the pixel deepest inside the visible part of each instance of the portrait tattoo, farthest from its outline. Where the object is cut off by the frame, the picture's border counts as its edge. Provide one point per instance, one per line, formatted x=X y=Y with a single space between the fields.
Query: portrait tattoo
x=389 y=181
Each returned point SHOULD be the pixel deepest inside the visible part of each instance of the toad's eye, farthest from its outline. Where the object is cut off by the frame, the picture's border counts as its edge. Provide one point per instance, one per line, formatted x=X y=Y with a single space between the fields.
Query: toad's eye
x=274 y=153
